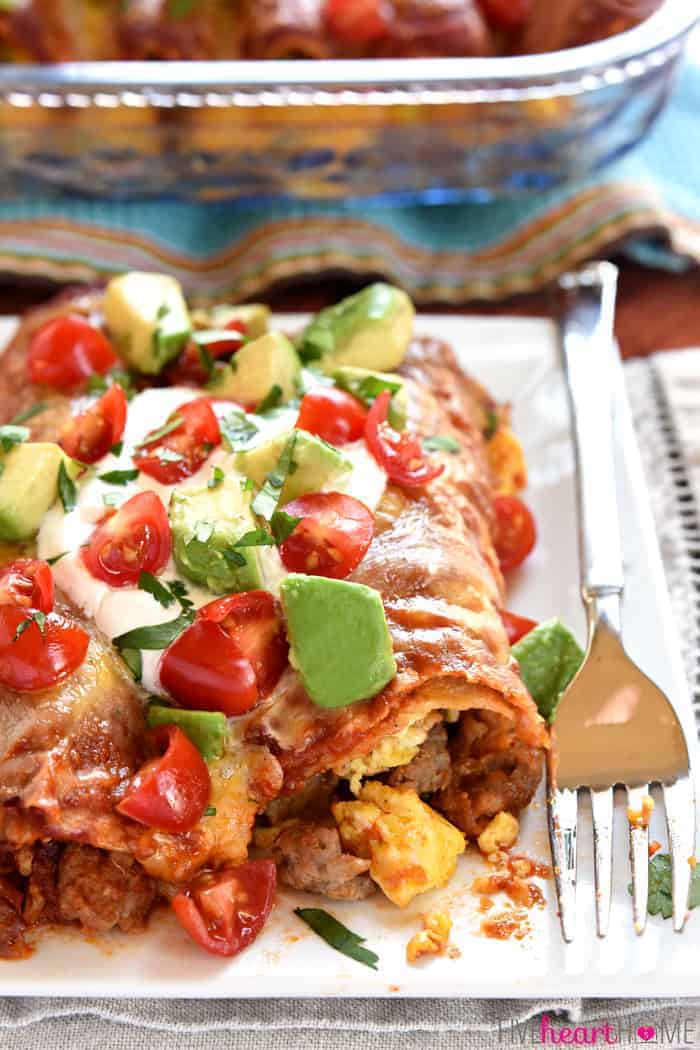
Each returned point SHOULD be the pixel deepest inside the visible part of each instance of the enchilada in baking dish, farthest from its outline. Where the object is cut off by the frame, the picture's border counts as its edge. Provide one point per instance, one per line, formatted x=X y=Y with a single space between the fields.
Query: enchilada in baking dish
x=252 y=620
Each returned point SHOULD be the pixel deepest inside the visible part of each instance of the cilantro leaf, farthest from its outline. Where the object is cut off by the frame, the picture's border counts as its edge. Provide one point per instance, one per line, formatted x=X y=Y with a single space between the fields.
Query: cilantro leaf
x=271 y=400
x=155 y=435
x=265 y=503
x=337 y=936
x=117 y=449
x=283 y=525
x=66 y=488
x=56 y=557
x=155 y=636
x=441 y=443
x=237 y=430
x=152 y=585
x=37 y=617
x=29 y=413
x=216 y=479
x=11 y=435
x=491 y=425
x=134 y=661
x=660 y=900
x=119 y=477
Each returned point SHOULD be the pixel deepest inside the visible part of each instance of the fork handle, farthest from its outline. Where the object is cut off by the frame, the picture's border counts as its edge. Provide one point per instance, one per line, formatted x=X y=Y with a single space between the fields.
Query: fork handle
x=590 y=362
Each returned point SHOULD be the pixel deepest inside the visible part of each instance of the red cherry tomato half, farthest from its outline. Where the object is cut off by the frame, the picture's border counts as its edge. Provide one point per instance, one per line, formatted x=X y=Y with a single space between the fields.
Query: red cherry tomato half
x=224 y=912
x=136 y=538
x=180 y=453
x=332 y=537
x=400 y=454
x=515 y=533
x=189 y=367
x=333 y=415
x=64 y=352
x=356 y=21
x=516 y=626
x=38 y=659
x=231 y=656
x=507 y=14
x=169 y=793
x=251 y=620
x=89 y=436
x=27 y=582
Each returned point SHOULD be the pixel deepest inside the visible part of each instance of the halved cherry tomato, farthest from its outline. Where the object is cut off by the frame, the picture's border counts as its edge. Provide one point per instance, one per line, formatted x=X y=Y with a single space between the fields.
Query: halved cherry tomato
x=507 y=14
x=27 y=582
x=231 y=656
x=332 y=414
x=169 y=793
x=400 y=454
x=64 y=352
x=225 y=911
x=38 y=659
x=515 y=533
x=89 y=436
x=516 y=626
x=181 y=452
x=357 y=21
x=251 y=620
x=135 y=538
x=332 y=537
x=189 y=367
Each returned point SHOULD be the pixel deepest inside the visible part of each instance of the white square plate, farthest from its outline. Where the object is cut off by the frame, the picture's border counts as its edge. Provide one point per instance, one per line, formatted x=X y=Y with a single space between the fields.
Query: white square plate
x=518 y=360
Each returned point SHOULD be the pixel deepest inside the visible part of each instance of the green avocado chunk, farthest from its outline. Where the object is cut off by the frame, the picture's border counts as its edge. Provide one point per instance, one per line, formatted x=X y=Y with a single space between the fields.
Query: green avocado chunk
x=147 y=317
x=206 y=729
x=261 y=364
x=371 y=329
x=549 y=656
x=206 y=524
x=340 y=641
x=314 y=463
x=29 y=486
x=366 y=385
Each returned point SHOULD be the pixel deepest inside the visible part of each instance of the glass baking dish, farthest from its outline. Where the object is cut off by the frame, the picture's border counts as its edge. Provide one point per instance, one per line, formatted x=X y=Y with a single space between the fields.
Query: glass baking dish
x=389 y=129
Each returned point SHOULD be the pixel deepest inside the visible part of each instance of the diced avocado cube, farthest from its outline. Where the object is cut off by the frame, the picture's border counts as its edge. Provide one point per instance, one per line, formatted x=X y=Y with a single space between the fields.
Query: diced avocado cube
x=29 y=486
x=258 y=366
x=254 y=316
x=371 y=329
x=315 y=464
x=206 y=523
x=367 y=385
x=340 y=641
x=206 y=729
x=147 y=317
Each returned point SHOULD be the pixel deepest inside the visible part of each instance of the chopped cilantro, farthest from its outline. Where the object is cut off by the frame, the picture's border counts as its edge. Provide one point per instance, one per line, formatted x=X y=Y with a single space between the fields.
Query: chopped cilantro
x=237 y=429
x=117 y=449
x=441 y=443
x=37 y=617
x=660 y=901
x=216 y=479
x=155 y=636
x=119 y=477
x=271 y=400
x=549 y=656
x=491 y=424
x=152 y=585
x=56 y=557
x=210 y=811
x=283 y=525
x=265 y=503
x=11 y=435
x=338 y=936
x=29 y=413
x=155 y=435
x=134 y=661
x=66 y=488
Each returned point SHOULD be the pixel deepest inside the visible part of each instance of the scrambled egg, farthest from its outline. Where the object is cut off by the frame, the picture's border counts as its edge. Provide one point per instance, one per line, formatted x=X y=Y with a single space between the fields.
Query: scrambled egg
x=395 y=750
x=499 y=833
x=507 y=461
x=411 y=848
x=433 y=939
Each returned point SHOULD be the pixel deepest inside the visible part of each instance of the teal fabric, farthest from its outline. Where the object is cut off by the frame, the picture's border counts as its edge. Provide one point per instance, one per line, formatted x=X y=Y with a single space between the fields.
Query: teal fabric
x=669 y=159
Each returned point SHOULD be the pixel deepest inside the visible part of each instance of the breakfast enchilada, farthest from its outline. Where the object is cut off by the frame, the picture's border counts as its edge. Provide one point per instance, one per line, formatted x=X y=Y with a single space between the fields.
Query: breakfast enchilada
x=252 y=620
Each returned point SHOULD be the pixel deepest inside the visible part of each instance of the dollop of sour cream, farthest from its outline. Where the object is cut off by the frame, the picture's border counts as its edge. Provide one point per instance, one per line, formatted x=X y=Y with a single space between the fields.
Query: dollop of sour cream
x=116 y=610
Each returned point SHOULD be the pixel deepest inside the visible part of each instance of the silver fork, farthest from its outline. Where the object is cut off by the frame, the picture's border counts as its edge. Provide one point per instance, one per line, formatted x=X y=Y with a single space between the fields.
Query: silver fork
x=613 y=726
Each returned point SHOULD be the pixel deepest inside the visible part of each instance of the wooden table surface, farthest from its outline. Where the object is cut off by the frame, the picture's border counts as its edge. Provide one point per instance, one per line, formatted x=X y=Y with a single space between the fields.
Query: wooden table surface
x=656 y=310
